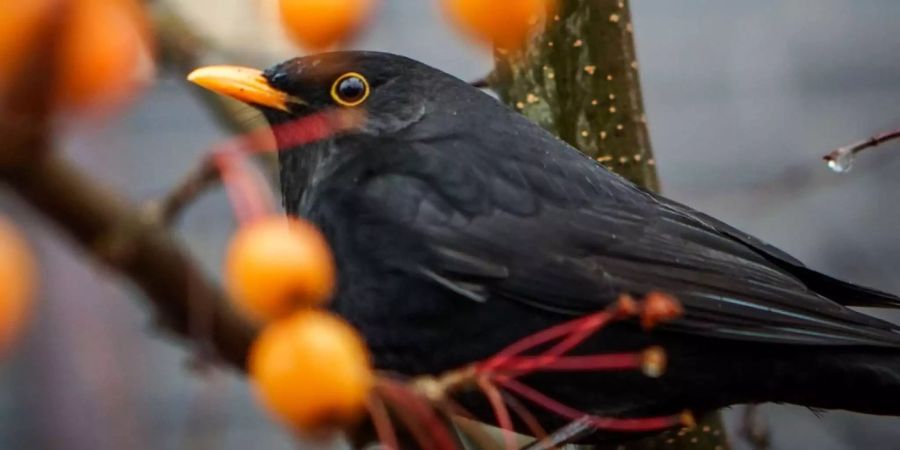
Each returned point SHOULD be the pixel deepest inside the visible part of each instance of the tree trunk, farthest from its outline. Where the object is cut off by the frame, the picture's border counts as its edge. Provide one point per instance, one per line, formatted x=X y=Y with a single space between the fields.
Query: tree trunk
x=579 y=79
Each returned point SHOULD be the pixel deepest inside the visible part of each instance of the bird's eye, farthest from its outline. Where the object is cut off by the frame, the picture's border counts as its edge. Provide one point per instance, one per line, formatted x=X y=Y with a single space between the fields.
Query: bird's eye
x=350 y=89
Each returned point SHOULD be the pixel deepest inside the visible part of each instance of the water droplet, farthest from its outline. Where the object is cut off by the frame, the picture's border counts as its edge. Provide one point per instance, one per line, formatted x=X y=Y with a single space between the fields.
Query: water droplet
x=841 y=162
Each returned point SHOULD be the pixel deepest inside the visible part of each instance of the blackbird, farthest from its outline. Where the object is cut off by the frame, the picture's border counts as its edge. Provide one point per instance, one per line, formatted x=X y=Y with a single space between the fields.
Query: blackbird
x=459 y=227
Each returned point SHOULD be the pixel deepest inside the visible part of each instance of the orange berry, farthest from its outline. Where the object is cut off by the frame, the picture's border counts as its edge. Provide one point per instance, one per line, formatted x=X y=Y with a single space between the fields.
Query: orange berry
x=319 y=24
x=17 y=283
x=100 y=52
x=312 y=370
x=506 y=24
x=277 y=264
x=20 y=22
x=100 y=44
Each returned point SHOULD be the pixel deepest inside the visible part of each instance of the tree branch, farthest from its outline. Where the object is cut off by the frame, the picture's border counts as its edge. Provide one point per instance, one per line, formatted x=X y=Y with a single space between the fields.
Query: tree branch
x=167 y=209
x=130 y=243
x=580 y=80
x=841 y=158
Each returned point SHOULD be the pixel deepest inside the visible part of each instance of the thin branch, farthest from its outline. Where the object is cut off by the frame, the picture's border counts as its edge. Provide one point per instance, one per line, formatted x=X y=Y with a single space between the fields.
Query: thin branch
x=127 y=242
x=425 y=425
x=839 y=158
x=254 y=143
x=103 y=224
x=501 y=412
x=381 y=421
x=167 y=209
x=641 y=424
x=525 y=415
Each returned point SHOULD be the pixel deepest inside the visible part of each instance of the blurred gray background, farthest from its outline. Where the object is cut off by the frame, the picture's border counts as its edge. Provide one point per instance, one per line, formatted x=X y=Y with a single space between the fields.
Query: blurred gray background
x=742 y=97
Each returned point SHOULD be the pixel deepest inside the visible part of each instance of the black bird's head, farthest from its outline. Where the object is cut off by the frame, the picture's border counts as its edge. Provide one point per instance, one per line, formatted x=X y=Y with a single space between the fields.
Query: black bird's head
x=395 y=102
x=391 y=92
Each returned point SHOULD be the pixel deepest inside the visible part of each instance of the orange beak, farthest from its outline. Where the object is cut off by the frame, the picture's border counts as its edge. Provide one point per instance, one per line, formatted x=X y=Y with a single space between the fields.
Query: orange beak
x=244 y=84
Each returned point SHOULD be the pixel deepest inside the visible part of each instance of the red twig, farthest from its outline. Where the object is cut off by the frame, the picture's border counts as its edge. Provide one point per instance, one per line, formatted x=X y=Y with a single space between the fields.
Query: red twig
x=534 y=426
x=602 y=423
x=249 y=194
x=575 y=331
x=501 y=371
x=304 y=130
x=500 y=411
x=420 y=418
x=613 y=361
x=656 y=308
x=381 y=420
x=400 y=404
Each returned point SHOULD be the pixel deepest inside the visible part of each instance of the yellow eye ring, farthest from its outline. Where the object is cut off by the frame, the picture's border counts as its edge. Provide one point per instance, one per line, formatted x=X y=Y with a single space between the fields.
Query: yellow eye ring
x=350 y=89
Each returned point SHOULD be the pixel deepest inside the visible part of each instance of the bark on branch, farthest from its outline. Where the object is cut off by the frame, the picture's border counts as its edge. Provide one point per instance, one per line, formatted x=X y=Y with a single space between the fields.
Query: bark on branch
x=135 y=245
x=580 y=80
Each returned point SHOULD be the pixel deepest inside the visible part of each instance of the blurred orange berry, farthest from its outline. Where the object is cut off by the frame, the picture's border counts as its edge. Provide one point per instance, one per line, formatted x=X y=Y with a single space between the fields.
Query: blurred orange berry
x=19 y=25
x=17 y=283
x=101 y=47
x=312 y=370
x=277 y=264
x=319 y=24
x=101 y=52
x=506 y=24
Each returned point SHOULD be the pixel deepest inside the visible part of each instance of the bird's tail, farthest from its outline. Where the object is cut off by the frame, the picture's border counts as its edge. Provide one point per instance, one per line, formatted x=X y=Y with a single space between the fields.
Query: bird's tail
x=864 y=380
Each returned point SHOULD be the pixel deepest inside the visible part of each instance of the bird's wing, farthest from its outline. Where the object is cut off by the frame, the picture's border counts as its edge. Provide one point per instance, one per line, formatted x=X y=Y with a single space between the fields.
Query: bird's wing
x=560 y=233
x=847 y=294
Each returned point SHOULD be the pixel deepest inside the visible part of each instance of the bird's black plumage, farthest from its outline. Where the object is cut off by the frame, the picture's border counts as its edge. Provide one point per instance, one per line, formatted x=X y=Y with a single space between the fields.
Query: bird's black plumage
x=460 y=227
